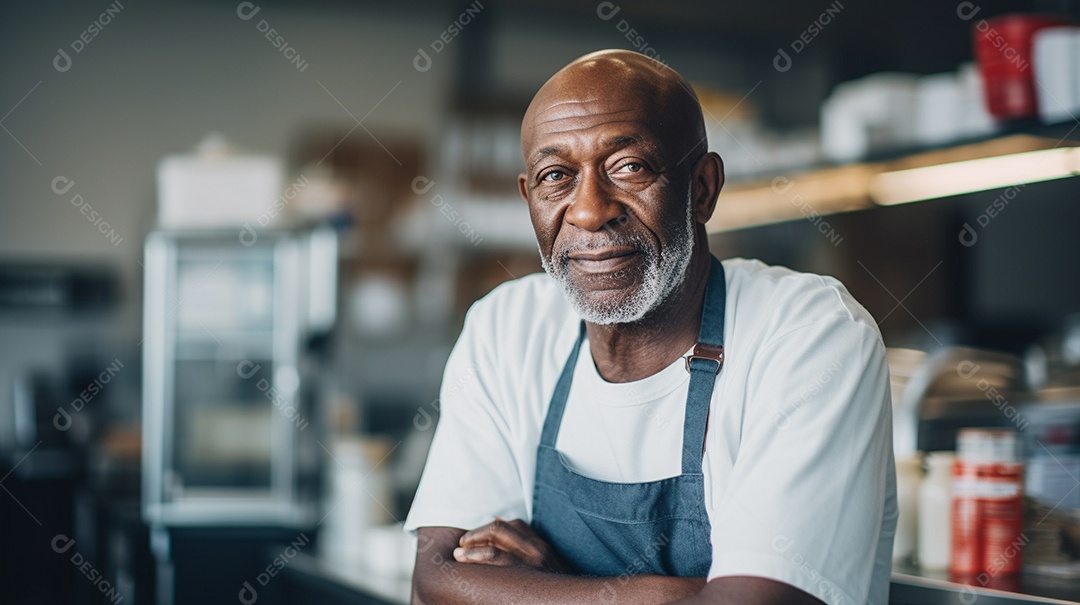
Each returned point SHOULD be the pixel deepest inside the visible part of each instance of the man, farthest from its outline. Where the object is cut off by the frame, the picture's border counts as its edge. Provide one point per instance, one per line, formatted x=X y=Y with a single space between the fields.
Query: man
x=645 y=424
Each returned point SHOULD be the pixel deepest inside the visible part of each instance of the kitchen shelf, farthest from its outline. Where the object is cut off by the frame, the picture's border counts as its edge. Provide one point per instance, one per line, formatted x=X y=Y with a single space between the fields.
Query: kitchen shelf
x=999 y=162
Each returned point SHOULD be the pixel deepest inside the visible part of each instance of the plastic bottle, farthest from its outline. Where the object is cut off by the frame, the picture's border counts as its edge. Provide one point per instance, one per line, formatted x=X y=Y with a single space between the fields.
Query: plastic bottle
x=935 y=514
x=908 y=476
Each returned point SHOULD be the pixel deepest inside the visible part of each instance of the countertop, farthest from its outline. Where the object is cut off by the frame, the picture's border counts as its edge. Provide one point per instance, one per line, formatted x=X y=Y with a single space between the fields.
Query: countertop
x=908 y=587
x=911 y=586
x=351 y=581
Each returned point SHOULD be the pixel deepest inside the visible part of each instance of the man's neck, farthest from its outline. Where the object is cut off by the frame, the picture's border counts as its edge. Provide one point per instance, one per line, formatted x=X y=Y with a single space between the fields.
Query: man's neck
x=629 y=352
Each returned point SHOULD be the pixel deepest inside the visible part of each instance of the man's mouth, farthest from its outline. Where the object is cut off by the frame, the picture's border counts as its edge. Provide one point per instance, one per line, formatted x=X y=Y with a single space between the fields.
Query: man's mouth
x=603 y=260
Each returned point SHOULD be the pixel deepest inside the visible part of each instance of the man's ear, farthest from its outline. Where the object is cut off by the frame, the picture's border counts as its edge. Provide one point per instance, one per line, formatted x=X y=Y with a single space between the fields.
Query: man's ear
x=708 y=179
x=521 y=188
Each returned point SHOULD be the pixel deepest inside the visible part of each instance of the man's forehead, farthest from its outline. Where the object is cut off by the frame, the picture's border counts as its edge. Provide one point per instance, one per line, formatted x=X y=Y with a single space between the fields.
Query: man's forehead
x=581 y=116
x=567 y=143
x=597 y=132
x=594 y=116
x=579 y=92
x=574 y=103
x=612 y=91
x=570 y=107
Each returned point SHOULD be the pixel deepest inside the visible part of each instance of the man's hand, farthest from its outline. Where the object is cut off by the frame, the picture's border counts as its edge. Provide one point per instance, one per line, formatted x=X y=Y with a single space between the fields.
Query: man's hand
x=502 y=543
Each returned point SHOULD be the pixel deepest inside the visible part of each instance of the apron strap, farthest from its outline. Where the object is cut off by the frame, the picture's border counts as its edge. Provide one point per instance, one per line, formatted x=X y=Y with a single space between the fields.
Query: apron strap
x=562 y=392
x=704 y=364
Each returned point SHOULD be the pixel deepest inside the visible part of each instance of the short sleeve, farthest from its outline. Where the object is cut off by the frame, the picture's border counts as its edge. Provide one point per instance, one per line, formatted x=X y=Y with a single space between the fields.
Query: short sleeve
x=471 y=475
x=810 y=492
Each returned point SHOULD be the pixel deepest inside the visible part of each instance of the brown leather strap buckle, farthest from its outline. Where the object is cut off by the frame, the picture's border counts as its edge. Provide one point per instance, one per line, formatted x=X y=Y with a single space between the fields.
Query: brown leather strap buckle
x=702 y=351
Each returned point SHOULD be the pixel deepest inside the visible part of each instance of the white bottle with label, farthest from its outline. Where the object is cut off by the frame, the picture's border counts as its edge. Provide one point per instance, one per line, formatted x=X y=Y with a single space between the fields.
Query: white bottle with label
x=908 y=475
x=935 y=512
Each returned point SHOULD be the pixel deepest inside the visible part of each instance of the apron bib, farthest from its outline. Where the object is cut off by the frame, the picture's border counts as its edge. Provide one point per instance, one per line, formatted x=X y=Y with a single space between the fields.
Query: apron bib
x=659 y=527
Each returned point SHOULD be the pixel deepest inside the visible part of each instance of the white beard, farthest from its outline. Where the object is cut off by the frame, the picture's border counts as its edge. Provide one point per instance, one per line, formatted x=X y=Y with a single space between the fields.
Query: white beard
x=664 y=272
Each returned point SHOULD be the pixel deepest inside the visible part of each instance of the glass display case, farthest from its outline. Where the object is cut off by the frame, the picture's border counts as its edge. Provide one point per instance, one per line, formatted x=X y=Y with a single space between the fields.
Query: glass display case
x=228 y=435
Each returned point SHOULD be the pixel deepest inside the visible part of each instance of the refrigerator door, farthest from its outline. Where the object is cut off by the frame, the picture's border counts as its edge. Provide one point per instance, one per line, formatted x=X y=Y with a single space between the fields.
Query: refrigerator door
x=222 y=416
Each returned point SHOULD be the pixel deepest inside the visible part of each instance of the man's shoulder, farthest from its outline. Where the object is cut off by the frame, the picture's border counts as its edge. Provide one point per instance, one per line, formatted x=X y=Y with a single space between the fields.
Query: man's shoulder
x=781 y=295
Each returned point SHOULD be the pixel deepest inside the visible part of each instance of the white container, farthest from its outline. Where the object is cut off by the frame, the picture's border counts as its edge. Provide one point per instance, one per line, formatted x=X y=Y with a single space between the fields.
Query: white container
x=938 y=109
x=935 y=512
x=216 y=187
x=908 y=474
x=870 y=114
x=389 y=551
x=975 y=120
x=358 y=495
x=1057 y=73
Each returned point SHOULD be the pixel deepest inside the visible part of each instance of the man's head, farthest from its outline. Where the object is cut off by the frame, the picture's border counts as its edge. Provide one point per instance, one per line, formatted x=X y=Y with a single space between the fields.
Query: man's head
x=619 y=182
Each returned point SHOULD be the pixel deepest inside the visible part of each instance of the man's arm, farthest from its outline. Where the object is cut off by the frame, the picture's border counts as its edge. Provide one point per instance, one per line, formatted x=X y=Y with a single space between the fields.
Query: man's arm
x=748 y=590
x=504 y=561
x=438 y=578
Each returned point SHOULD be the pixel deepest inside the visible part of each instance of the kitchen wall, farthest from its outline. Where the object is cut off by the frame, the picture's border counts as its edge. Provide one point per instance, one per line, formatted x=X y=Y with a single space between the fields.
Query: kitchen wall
x=153 y=81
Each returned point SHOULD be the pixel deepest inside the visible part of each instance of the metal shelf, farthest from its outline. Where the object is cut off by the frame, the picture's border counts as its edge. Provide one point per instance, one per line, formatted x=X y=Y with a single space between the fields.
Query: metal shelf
x=1000 y=162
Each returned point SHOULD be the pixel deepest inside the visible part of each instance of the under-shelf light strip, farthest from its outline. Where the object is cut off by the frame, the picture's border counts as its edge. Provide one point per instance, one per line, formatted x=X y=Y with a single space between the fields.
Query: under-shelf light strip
x=969 y=176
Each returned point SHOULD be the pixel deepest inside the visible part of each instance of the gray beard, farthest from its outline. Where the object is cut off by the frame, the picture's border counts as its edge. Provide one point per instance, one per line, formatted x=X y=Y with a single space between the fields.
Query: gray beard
x=665 y=271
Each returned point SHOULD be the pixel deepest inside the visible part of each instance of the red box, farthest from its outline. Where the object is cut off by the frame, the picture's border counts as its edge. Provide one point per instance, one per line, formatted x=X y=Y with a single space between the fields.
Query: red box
x=1003 y=49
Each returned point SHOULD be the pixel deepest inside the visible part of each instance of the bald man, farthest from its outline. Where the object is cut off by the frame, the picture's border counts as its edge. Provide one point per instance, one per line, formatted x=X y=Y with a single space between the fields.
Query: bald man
x=643 y=423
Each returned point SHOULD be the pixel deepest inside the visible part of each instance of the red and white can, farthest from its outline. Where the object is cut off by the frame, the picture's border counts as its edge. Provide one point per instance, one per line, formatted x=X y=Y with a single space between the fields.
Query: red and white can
x=988 y=505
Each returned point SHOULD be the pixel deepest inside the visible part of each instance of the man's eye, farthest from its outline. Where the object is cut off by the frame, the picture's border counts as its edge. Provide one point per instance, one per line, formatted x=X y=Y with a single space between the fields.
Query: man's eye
x=631 y=167
x=554 y=175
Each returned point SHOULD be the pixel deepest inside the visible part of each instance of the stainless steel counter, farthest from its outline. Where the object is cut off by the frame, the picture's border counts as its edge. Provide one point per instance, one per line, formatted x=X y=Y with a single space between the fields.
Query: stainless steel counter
x=912 y=587
x=363 y=584
x=907 y=587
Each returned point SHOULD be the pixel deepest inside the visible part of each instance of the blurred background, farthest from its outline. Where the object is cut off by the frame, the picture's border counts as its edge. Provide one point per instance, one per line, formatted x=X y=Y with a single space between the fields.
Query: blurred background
x=238 y=240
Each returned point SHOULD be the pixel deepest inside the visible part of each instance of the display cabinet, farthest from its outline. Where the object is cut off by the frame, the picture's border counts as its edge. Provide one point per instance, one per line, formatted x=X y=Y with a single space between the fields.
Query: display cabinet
x=228 y=435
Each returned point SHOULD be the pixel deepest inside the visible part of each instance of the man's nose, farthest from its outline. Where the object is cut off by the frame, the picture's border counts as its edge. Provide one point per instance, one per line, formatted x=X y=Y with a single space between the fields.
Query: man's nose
x=593 y=206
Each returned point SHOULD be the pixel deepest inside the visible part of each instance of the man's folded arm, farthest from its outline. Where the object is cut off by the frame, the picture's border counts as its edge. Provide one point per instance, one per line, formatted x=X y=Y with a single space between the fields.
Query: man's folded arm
x=439 y=579
x=749 y=590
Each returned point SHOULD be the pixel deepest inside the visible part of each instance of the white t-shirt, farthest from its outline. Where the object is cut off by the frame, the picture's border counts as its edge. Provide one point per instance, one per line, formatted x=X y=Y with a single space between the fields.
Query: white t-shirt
x=800 y=482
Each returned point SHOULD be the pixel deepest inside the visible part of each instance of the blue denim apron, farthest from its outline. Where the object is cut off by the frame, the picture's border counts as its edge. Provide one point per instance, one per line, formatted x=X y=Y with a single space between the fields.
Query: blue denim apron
x=659 y=527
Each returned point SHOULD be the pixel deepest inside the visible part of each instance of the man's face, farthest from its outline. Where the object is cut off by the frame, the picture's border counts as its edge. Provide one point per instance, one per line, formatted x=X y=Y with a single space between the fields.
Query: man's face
x=609 y=201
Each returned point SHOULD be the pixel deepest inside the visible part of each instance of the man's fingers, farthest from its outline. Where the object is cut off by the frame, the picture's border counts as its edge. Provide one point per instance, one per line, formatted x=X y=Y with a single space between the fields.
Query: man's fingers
x=485 y=534
x=485 y=555
x=508 y=543
x=501 y=534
